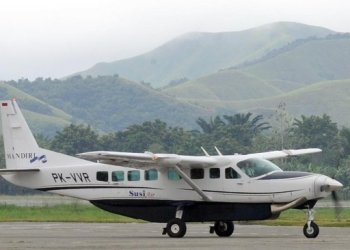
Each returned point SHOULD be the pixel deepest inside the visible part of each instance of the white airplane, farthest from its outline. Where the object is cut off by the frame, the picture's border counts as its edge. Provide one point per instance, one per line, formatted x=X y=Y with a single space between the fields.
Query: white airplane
x=167 y=188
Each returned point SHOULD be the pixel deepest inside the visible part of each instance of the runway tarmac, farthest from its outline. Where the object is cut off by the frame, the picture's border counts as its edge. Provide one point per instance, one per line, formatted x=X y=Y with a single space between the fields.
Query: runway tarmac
x=24 y=235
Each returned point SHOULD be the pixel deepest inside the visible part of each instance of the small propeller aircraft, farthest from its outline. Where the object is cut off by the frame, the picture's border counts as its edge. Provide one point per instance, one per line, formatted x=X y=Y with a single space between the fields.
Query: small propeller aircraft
x=166 y=188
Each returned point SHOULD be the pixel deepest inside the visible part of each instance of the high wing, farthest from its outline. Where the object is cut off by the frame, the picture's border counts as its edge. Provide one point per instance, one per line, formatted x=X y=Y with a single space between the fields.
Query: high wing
x=148 y=159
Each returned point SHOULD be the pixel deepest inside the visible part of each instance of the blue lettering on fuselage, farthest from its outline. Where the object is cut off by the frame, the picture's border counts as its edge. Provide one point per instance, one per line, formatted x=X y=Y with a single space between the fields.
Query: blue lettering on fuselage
x=141 y=194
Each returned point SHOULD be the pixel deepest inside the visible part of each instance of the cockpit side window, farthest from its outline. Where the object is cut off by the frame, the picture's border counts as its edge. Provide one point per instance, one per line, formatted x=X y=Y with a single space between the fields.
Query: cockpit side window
x=230 y=173
x=257 y=167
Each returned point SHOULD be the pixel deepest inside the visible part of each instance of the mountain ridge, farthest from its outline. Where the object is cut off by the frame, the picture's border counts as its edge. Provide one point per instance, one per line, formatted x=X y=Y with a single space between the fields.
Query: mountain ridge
x=187 y=56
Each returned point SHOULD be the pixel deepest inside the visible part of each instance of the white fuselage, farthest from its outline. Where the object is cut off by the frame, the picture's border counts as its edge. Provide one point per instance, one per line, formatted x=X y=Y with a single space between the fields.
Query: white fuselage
x=81 y=182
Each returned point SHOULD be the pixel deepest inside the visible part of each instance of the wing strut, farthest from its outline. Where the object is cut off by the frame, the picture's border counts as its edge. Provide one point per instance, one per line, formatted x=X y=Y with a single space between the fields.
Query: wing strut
x=191 y=183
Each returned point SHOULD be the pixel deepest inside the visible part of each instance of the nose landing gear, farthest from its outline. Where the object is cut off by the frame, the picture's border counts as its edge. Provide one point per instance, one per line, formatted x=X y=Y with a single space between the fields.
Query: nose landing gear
x=311 y=229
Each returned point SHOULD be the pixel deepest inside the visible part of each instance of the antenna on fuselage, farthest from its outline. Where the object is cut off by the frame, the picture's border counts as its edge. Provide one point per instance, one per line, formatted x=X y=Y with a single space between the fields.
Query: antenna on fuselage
x=217 y=150
x=205 y=152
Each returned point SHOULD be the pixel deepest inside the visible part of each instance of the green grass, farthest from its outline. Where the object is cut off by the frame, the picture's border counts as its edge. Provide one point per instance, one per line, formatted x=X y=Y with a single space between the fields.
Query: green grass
x=76 y=212
x=60 y=213
x=323 y=217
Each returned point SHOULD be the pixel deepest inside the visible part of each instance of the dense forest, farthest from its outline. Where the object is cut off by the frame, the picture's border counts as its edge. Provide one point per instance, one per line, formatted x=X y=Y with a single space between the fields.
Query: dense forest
x=241 y=133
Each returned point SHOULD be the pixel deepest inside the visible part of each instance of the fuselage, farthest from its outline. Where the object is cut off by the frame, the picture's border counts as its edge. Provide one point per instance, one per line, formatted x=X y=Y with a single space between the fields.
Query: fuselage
x=96 y=182
x=155 y=194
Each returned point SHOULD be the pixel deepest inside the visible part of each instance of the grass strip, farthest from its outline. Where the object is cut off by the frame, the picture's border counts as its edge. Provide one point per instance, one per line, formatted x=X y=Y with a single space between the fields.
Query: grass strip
x=60 y=213
x=87 y=213
x=323 y=217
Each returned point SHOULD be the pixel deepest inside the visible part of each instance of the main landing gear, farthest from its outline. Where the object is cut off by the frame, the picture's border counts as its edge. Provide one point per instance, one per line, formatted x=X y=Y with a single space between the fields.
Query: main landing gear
x=222 y=228
x=311 y=229
x=176 y=228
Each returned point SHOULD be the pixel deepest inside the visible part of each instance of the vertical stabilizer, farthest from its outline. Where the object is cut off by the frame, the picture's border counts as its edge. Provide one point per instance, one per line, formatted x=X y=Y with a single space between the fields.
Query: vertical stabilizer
x=21 y=148
x=19 y=142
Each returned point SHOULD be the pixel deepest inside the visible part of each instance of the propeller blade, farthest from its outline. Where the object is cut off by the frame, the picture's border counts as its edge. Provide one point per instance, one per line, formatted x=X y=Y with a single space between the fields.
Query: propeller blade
x=337 y=205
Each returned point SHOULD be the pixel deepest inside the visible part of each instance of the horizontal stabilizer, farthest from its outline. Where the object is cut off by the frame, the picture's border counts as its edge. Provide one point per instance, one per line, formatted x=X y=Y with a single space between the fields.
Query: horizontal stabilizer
x=18 y=170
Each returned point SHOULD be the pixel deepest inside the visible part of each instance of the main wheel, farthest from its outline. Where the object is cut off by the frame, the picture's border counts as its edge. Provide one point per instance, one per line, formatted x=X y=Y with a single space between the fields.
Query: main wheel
x=176 y=228
x=223 y=228
x=312 y=231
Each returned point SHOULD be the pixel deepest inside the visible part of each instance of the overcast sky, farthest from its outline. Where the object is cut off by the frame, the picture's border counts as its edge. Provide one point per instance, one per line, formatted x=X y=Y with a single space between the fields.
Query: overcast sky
x=55 y=38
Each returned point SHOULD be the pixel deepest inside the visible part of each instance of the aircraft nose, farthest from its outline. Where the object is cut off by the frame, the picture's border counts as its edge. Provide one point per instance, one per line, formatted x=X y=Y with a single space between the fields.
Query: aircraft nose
x=331 y=185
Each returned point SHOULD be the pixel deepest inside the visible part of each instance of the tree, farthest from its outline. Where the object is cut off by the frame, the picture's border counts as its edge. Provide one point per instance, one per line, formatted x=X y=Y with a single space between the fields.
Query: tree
x=211 y=126
x=320 y=132
x=233 y=134
x=154 y=136
x=345 y=141
x=315 y=131
x=75 y=139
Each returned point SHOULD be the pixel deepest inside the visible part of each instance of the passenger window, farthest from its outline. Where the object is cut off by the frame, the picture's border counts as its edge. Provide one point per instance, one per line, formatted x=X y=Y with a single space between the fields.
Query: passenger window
x=230 y=173
x=118 y=176
x=151 y=175
x=214 y=173
x=134 y=175
x=197 y=173
x=173 y=175
x=102 y=176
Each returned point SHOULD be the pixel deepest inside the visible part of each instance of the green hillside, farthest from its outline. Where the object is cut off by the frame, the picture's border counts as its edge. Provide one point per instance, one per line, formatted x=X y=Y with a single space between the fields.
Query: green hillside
x=228 y=85
x=313 y=61
x=330 y=97
x=197 y=54
x=42 y=117
x=112 y=103
x=291 y=68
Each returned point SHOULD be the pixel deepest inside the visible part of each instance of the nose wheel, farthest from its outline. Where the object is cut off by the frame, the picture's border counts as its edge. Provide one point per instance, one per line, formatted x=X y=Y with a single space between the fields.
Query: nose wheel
x=311 y=229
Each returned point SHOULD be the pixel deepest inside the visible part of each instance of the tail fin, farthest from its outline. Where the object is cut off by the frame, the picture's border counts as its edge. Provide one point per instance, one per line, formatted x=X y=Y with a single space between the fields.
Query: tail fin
x=21 y=148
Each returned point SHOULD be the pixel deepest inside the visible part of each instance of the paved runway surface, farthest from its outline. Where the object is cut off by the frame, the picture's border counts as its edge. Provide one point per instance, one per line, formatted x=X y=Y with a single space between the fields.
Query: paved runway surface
x=23 y=235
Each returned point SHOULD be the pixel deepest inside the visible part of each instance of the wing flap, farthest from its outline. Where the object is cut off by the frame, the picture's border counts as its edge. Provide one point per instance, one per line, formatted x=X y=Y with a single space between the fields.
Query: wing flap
x=284 y=153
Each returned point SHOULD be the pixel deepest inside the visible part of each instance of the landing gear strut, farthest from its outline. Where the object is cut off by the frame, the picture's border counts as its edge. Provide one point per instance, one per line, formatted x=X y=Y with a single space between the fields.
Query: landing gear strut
x=222 y=228
x=311 y=229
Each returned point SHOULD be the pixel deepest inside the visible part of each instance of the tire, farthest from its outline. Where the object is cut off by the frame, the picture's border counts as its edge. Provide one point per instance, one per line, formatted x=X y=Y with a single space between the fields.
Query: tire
x=224 y=228
x=176 y=228
x=311 y=232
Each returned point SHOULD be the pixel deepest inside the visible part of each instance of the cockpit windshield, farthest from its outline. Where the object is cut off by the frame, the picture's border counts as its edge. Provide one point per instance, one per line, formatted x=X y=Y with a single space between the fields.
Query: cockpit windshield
x=257 y=167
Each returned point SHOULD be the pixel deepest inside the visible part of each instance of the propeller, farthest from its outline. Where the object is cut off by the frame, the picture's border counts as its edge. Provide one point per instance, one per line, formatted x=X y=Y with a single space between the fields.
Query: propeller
x=337 y=205
x=332 y=185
